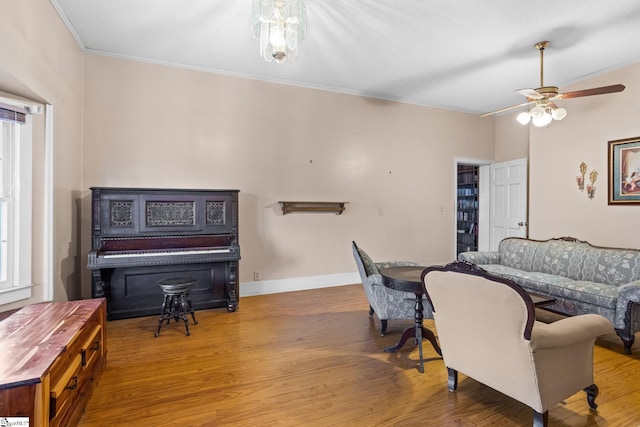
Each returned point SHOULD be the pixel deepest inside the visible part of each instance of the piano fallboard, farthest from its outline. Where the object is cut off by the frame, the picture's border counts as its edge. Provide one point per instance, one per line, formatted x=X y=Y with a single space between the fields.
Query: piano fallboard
x=163 y=241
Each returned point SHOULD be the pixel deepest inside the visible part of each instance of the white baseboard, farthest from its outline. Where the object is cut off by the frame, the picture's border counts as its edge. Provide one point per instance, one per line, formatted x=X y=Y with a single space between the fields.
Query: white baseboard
x=264 y=287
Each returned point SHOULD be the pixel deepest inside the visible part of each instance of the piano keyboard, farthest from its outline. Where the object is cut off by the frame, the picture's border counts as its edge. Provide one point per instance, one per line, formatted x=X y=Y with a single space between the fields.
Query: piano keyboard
x=168 y=253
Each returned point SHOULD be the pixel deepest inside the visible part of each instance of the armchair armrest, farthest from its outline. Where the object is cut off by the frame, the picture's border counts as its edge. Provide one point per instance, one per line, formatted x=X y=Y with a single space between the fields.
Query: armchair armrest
x=480 y=257
x=385 y=264
x=569 y=330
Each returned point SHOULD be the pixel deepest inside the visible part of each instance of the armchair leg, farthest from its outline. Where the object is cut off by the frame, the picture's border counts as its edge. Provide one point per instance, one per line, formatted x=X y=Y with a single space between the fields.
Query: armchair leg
x=592 y=392
x=540 y=420
x=371 y=311
x=452 y=382
x=383 y=330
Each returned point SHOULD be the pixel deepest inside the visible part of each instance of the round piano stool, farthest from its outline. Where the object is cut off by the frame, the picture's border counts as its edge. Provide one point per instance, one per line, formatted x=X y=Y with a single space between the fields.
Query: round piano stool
x=176 y=303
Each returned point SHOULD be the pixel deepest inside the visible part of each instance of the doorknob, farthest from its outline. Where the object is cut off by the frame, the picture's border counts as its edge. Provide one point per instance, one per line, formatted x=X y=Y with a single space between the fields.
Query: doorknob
x=522 y=224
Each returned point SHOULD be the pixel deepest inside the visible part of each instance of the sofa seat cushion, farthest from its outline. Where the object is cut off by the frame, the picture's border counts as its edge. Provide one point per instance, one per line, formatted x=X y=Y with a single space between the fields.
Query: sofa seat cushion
x=558 y=286
x=530 y=280
x=589 y=292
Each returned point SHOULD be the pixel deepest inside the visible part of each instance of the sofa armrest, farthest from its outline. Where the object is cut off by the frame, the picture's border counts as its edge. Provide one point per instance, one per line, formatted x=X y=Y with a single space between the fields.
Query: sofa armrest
x=569 y=330
x=627 y=293
x=480 y=257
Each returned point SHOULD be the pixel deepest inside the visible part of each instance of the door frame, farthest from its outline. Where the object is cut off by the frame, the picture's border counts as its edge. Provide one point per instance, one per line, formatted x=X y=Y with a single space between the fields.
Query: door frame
x=483 y=194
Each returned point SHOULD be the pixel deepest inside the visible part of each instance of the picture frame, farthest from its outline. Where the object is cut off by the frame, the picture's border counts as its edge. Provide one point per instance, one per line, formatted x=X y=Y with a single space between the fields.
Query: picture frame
x=624 y=171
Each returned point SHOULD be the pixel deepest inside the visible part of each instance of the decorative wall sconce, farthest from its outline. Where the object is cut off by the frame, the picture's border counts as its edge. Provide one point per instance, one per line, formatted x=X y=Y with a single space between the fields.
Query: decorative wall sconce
x=580 y=178
x=591 y=189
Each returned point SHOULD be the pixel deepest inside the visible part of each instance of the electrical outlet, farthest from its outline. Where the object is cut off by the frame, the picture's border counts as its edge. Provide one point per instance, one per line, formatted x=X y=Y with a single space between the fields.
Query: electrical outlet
x=256 y=275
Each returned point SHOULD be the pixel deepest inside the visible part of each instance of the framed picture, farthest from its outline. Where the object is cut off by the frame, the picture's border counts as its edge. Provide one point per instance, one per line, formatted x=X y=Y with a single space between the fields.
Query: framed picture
x=624 y=172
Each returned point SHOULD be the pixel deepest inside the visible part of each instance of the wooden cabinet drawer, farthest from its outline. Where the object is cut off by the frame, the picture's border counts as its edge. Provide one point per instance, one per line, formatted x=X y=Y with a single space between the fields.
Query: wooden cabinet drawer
x=63 y=390
x=92 y=347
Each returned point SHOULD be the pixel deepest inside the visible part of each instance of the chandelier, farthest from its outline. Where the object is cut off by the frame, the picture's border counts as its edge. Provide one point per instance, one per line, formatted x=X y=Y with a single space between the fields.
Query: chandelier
x=542 y=114
x=280 y=25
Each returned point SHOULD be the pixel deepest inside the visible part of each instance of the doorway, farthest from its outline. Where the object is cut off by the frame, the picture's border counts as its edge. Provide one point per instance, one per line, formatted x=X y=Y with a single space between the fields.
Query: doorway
x=467 y=204
x=491 y=203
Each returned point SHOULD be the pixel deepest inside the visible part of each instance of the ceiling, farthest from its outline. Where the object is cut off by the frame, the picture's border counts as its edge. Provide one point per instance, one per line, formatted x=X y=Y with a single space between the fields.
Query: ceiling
x=467 y=56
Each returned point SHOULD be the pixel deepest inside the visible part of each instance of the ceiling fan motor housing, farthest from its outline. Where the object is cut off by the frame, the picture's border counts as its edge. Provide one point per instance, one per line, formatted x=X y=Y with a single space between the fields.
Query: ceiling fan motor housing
x=548 y=91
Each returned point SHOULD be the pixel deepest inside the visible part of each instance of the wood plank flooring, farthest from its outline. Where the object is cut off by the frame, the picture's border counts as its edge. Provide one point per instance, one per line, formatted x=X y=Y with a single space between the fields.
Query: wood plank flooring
x=313 y=358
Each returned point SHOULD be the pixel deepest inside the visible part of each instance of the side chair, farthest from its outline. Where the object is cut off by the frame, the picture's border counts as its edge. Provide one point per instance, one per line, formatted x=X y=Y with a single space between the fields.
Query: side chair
x=386 y=303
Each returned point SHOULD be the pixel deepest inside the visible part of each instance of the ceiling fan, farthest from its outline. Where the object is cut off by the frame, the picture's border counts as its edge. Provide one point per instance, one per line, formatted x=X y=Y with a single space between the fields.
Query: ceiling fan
x=545 y=109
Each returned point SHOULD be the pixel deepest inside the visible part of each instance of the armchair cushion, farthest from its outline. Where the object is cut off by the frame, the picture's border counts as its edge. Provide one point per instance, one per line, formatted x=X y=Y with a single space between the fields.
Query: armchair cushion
x=369 y=266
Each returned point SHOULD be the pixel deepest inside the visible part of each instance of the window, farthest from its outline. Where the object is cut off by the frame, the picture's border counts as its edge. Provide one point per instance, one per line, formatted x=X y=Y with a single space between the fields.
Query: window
x=15 y=204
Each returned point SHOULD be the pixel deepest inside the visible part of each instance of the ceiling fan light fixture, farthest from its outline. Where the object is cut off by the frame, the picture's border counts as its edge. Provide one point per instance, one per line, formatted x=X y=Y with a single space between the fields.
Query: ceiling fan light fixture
x=541 y=121
x=524 y=118
x=280 y=25
x=559 y=113
x=537 y=111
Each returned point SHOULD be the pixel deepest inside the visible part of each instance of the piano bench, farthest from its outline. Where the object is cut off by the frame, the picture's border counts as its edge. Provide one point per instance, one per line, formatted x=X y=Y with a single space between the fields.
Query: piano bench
x=176 y=303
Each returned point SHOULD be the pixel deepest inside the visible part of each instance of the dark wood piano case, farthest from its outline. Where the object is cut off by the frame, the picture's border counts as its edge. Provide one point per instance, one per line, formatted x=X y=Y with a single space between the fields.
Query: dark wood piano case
x=143 y=235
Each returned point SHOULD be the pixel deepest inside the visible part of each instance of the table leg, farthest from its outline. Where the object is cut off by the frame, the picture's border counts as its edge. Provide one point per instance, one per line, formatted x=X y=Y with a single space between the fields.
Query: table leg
x=406 y=334
x=431 y=337
x=418 y=332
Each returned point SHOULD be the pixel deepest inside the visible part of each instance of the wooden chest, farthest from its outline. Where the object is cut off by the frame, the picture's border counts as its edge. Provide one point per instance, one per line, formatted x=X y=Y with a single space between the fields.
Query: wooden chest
x=51 y=354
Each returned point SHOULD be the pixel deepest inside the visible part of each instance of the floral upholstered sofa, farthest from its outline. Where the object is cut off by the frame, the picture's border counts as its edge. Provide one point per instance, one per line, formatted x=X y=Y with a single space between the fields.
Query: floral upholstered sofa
x=583 y=278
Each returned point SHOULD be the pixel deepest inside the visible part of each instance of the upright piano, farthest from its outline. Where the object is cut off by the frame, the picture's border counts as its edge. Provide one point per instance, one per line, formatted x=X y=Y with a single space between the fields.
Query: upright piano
x=143 y=235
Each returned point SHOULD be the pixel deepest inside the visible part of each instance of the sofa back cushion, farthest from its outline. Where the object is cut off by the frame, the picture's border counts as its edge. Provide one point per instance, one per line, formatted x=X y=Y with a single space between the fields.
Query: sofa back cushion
x=573 y=259
x=611 y=266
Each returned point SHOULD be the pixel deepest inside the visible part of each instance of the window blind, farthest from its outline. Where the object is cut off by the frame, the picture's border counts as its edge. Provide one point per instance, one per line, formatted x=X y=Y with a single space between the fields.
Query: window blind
x=10 y=113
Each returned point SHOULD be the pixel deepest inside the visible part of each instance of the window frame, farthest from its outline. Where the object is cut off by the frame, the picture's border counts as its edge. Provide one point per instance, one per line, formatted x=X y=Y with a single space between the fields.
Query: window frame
x=19 y=285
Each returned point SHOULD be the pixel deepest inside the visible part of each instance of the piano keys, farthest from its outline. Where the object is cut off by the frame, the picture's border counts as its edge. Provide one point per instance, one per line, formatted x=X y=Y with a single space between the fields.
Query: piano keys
x=143 y=235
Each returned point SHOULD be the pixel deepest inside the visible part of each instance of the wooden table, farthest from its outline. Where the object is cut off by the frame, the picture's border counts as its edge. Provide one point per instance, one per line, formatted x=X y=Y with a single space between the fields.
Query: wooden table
x=541 y=300
x=409 y=279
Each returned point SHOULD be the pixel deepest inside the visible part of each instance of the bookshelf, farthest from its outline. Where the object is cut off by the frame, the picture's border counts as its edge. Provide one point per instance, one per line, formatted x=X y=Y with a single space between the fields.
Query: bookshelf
x=467 y=209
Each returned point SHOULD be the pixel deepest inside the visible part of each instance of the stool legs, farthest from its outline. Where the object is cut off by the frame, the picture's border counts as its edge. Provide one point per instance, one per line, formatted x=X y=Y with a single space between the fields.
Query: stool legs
x=176 y=306
x=193 y=314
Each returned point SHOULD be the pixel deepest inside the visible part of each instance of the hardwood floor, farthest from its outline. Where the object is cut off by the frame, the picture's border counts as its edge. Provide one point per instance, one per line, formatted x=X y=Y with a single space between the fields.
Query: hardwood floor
x=313 y=358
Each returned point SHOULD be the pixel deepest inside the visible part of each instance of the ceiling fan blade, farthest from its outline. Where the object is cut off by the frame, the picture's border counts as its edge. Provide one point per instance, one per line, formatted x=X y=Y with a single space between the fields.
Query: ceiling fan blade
x=502 y=110
x=589 y=92
x=530 y=93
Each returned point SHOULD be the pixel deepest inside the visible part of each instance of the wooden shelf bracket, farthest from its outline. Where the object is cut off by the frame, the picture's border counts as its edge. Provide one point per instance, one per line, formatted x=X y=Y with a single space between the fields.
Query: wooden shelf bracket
x=318 y=207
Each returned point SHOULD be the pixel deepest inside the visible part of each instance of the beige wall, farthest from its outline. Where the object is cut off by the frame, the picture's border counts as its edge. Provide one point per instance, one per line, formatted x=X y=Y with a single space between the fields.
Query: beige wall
x=148 y=125
x=40 y=60
x=557 y=207
x=511 y=138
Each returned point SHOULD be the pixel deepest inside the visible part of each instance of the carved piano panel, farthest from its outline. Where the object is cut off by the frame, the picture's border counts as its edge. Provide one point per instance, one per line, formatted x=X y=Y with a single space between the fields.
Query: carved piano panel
x=140 y=236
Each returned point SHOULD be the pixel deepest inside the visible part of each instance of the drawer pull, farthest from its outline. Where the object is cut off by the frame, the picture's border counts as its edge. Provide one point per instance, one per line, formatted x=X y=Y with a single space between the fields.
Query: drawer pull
x=75 y=383
x=95 y=346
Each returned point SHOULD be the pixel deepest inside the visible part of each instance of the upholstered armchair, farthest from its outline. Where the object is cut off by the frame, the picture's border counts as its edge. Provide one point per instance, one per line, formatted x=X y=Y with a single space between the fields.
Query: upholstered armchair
x=487 y=330
x=386 y=303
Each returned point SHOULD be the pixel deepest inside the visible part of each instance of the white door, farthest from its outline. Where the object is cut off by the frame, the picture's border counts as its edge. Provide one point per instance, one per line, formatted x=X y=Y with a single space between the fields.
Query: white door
x=508 y=212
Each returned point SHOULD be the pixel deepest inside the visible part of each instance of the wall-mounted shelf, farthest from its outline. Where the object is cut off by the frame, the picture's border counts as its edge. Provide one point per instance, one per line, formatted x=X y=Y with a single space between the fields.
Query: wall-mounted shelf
x=320 y=207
